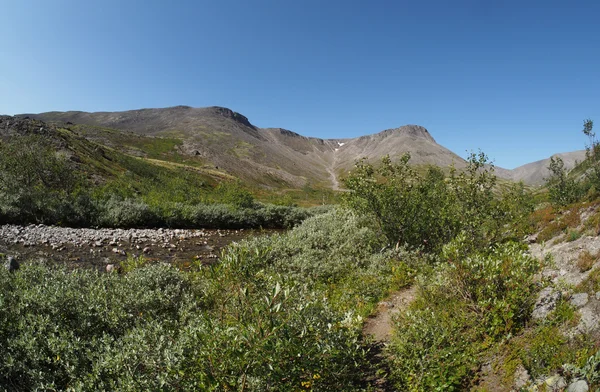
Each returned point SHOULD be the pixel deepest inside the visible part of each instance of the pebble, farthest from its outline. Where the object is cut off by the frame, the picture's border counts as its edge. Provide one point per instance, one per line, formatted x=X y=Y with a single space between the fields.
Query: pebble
x=58 y=236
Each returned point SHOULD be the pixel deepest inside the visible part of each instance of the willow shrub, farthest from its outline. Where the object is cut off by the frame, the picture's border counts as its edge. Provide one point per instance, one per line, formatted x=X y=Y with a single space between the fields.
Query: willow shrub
x=426 y=211
x=464 y=306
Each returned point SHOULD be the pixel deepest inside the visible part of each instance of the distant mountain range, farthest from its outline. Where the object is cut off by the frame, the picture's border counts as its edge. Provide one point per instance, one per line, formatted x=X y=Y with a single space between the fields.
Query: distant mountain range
x=275 y=157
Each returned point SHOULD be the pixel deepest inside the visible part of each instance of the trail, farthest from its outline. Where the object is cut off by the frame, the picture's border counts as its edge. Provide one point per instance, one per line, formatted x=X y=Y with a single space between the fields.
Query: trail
x=379 y=328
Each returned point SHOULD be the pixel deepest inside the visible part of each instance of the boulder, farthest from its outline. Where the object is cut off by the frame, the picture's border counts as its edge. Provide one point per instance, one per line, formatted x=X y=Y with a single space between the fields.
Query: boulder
x=578 y=386
x=12 y=265
x=579 y=300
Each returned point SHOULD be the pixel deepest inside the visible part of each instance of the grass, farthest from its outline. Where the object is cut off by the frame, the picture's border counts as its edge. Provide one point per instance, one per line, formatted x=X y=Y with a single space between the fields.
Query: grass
x=586 y=261
x=553 y=224
x=591 y=284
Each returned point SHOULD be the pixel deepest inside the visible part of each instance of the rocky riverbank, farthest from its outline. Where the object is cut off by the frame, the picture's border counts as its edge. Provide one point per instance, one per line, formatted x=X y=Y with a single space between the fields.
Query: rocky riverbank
x=99 y=247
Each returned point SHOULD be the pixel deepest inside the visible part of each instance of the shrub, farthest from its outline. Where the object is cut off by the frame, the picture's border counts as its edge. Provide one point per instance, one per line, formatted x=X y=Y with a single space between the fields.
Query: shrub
x=408 y=209
x=117 y=212
x=464 y=306
x=427 y=211
x=562 y=190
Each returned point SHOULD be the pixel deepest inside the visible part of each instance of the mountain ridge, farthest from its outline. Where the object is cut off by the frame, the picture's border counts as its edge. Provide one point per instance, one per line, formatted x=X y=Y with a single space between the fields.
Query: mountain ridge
x=277 y=156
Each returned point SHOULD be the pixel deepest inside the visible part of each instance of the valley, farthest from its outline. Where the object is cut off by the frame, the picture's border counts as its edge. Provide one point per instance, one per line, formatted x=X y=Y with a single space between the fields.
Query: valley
x=272 y=261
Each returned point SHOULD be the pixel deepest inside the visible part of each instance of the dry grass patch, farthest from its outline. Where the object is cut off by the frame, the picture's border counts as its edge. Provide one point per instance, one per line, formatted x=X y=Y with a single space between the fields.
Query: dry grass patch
x=552 y=225
x=586 y=260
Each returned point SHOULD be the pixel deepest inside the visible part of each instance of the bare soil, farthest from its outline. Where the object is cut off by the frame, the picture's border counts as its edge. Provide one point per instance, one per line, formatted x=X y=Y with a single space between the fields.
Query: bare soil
x=379 y=325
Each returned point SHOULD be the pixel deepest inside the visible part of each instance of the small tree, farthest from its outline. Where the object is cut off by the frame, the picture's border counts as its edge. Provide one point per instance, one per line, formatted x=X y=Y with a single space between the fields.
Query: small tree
x=592 y=152
x=562 y=189
x=410 y=209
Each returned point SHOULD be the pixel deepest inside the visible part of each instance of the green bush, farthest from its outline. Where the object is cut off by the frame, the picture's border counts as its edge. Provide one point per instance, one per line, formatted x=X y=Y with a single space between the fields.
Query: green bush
x=464 y=306
x=266 y=317
x=427 y=211
x=562 y=189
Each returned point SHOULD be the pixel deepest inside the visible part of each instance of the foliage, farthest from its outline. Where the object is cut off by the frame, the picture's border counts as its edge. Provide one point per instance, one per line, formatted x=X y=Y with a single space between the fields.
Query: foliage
x=463 y=307
x=554 y=224
x=592 y=154
x=37 y=185
x=427 y=211
x=562 y=189
x=34 y=179
x=235 y=195
x=258 y=320
x=589 y=371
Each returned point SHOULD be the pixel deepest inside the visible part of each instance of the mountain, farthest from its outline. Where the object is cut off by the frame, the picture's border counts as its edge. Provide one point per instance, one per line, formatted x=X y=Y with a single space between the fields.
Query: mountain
x=219 y=138
x=534 y=173
x=272 y=157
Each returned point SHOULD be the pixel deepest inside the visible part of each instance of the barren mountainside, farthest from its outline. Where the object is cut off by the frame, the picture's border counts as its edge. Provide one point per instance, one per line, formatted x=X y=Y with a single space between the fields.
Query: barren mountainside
x=276 y=156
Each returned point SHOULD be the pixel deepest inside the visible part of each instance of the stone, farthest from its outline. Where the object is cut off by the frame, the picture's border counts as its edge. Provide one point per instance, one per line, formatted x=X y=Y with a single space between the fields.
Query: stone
x=578 y=386
x=12 y=265
x=146 y=250
x=521 y=377
x=579 y=300
x=556 y=382
x=531 y=239
x=598 y=295
x=546 y=302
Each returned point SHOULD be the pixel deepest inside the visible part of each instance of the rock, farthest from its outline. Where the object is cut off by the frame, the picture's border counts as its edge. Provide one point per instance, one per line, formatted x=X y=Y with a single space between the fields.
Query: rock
x=111 y=268
x=146 y=250
x=531 y=239
x=556 y=382
x=12 y=265
x=598 y=295
x=579 y=300
x=521 y=377
x=578 y=386
x=546 y=302
x=589 y=320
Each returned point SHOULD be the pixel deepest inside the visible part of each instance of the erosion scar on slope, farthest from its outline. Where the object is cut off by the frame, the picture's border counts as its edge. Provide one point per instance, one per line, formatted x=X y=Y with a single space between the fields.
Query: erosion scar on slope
x=335 y=184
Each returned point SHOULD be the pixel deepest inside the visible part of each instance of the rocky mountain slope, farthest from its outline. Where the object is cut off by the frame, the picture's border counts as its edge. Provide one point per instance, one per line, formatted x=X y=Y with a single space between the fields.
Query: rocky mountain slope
x=266 y=156
x=534 y=173
x=276 y=157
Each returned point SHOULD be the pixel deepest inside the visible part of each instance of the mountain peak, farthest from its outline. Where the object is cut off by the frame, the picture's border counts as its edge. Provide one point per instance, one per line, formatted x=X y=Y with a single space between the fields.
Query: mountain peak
x=228 y=113
x=411 y=130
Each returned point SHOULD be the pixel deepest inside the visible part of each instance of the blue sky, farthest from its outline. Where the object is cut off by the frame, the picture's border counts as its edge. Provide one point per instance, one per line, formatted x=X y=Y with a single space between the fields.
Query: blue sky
x=513 y=78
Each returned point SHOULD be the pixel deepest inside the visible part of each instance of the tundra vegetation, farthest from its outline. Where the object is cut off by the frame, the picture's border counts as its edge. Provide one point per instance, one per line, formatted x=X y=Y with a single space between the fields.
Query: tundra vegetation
x=285 y=312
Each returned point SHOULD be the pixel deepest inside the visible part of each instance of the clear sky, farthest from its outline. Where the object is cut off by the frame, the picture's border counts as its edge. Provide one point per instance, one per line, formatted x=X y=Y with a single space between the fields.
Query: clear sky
x=514 y=78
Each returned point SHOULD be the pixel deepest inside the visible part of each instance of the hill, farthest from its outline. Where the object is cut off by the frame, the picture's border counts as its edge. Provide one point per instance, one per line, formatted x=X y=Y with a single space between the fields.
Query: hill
x=224 y=140
x=534 y=173
x=271 y=157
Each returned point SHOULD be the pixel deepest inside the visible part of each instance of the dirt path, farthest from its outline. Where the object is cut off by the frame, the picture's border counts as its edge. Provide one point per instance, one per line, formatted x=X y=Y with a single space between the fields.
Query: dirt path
x=379 y=326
